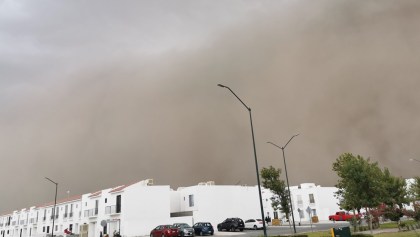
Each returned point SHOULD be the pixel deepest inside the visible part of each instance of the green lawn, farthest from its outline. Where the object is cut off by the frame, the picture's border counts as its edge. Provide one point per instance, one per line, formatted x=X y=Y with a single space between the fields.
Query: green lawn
x=397 y=234
x=400 y=234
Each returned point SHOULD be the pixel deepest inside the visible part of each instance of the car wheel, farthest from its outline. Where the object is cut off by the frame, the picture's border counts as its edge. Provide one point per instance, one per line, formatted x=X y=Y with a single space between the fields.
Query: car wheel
x=241 y=229
x=182 y=233
x=219 y=229
x=211 y=233
x=255 y=227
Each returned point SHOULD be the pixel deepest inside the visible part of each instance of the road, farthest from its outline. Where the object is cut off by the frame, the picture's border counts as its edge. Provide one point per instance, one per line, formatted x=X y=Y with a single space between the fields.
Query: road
x=285 y=229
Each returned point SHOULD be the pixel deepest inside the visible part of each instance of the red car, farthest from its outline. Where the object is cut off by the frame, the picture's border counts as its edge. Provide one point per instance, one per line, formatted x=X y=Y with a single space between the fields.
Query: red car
x=164 y=231
x=342 y=216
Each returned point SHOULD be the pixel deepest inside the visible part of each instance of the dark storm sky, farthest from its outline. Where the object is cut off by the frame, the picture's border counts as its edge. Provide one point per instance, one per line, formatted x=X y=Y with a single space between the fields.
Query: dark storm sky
x=95 y=94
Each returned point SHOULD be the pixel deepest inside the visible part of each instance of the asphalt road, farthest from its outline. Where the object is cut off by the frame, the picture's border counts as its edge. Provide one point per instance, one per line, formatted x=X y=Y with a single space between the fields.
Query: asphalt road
x=285 y=229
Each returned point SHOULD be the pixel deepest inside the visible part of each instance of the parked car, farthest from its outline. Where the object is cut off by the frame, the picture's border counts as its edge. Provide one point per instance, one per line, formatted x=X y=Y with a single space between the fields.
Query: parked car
x=254 y=224
x=342 y=216
x=184 y=229
x=164 y=231
x=203 y=228
x=231 y=224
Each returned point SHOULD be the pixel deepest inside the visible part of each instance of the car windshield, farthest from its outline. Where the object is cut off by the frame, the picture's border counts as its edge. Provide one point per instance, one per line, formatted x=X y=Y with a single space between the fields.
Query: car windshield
x=206 y=224
x=182 y=225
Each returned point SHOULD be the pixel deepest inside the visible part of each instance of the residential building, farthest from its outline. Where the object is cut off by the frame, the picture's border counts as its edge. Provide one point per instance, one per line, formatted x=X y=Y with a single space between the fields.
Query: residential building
x=135 y=209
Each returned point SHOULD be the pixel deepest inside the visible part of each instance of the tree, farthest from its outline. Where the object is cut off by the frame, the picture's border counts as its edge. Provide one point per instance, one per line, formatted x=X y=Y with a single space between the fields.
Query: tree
x=360 y=183
x=394 y=197
x=271 y=180
x=395 y=190
x=415 y=189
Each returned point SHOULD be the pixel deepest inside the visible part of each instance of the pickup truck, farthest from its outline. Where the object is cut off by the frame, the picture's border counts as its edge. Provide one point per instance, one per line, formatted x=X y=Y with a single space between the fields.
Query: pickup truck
x=342 y=216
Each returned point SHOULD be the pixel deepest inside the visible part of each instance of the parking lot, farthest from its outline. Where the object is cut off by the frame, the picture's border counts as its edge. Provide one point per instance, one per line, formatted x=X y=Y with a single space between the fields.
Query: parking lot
x=285 y=229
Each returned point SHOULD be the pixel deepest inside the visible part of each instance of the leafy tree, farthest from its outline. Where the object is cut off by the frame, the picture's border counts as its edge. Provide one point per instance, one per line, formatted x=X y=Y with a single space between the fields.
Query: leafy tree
x=415 y=189
x=415 y=214
x=360 y=183
x=271 y=180
x=395 y=190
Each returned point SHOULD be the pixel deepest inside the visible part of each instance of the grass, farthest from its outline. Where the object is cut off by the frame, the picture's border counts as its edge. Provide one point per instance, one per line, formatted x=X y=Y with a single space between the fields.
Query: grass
x=399 y=234
x=390 y=225
x=396 y=234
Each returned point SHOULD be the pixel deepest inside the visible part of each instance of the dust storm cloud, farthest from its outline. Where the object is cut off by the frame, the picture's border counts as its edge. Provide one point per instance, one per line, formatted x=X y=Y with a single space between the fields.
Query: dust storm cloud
x=96 y=95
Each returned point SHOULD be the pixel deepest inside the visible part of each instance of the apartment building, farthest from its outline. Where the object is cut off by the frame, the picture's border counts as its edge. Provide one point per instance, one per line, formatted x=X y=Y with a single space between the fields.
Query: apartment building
x=134 y=209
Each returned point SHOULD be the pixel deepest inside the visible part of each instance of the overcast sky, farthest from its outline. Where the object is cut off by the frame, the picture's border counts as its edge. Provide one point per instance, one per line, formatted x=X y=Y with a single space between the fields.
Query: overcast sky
x=95 y=94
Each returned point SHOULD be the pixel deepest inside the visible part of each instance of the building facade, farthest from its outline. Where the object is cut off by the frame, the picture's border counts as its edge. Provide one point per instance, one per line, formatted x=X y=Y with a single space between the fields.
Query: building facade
x=135 y=209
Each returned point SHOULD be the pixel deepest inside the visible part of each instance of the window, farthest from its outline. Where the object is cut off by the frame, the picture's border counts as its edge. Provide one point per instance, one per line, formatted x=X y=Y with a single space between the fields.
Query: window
x=311 y=198
x=43 y=229
x=299 y=200
x=314 y=212
x=106 y=200
x=118 y=204
x=191 y=200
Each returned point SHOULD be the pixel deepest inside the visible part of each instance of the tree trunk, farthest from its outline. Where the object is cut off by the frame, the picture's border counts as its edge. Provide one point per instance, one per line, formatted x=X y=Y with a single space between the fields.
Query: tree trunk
x=370 y=221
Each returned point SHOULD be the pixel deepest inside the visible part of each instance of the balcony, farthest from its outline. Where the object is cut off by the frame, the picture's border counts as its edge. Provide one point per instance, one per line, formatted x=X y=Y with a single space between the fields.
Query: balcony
x=32 y=221
x=22 y=222
x=112 y=210
x=91 y=213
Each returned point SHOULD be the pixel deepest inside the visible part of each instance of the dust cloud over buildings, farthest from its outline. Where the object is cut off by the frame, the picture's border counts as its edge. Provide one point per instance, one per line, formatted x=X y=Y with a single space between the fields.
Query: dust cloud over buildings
x=124 y=93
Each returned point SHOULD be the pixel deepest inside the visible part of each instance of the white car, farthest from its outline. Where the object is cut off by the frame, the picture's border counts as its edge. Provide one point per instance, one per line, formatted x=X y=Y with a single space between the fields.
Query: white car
x=254 y=224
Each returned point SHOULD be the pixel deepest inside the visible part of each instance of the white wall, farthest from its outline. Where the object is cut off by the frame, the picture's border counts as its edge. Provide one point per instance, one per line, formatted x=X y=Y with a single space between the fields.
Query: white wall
x=216 y=203
x=143 y=208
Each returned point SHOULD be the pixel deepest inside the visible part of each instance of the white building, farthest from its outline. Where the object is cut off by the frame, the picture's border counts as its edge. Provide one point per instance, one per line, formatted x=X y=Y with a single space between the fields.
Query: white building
x=310 y=200
x=137 y=208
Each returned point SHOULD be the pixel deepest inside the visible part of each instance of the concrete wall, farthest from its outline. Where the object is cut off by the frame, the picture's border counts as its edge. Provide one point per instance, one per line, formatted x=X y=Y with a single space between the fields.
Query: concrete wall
x=143 y=208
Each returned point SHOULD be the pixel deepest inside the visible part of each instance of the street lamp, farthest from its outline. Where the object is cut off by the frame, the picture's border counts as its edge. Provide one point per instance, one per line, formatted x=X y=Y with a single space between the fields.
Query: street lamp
x=412 y=159
x=55 y=203
x=287 y=179
x=255 y=157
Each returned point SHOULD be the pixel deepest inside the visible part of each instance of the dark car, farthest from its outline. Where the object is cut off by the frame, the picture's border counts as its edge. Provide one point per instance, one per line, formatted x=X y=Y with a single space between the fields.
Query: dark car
x=203 y=228
x=184 y=229
x=164 y=231
x=231 y=224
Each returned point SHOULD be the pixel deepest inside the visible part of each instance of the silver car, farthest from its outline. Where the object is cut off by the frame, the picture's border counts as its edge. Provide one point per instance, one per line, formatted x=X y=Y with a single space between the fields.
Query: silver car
x=184 y=229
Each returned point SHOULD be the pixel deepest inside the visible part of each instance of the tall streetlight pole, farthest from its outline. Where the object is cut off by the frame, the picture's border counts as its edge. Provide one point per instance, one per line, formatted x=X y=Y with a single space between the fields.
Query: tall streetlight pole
x=412 y=159
x=287 y=178
x=55 y=203
x=255 y=157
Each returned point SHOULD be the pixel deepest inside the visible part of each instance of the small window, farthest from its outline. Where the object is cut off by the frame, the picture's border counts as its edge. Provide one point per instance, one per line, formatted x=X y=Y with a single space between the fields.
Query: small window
x=311 y=198
x=191 y=200
x=106 y=200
